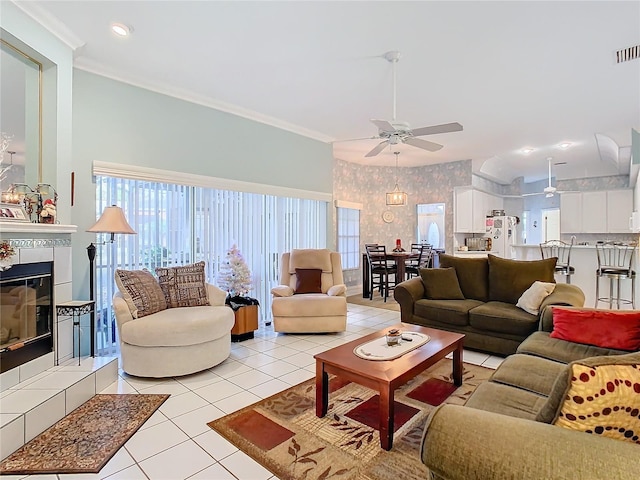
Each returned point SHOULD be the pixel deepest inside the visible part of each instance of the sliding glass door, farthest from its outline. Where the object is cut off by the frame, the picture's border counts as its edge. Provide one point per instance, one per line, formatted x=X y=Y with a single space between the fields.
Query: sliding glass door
x=180 y=224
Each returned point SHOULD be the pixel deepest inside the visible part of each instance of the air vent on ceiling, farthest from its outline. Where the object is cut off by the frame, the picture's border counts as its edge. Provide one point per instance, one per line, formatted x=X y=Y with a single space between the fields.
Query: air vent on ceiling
x=626 y=54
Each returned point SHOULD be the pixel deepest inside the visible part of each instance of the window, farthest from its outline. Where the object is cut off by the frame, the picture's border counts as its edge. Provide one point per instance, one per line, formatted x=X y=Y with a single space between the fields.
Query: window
x=348 y=229
x=178 y=224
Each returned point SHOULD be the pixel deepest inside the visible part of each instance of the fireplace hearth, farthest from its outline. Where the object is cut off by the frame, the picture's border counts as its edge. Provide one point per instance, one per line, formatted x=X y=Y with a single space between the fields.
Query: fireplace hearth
x=26 y=313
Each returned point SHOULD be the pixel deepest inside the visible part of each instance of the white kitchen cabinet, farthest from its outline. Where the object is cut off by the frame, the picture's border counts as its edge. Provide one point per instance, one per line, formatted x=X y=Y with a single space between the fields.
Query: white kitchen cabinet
x=463 y=210
x=471 y=208
x=619 y=209
x=594 y=212
x=480 y=206
x=571 y=212
x=600 y=211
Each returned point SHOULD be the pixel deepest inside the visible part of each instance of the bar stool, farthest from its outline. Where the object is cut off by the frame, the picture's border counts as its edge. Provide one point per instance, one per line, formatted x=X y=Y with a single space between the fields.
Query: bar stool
x=562 y=251
x=615 y=263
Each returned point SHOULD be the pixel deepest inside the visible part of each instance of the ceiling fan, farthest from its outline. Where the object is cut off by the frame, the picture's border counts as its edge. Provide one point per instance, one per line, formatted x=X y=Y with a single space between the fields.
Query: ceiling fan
x=393 y=132
x=549 y=191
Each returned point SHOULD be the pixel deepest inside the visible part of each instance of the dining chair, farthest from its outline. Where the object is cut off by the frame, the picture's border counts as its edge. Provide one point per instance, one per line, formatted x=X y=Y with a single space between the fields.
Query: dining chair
x=380 y=271
x=413 y=265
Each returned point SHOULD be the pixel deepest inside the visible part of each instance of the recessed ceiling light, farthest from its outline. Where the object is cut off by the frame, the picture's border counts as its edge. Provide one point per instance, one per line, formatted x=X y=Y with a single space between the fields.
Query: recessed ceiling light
x=564 y=145
x=527 y=150
x=121 y=29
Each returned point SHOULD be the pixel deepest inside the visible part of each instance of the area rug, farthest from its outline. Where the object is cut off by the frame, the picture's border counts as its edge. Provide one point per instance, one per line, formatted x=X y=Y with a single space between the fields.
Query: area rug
x=377 y=302
x=86 y=439
x=284 y=435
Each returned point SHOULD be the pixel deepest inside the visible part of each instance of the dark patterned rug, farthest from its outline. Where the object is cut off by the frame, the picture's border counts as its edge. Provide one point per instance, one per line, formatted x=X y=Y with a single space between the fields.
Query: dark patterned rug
x=86 y=439
x=283 y=433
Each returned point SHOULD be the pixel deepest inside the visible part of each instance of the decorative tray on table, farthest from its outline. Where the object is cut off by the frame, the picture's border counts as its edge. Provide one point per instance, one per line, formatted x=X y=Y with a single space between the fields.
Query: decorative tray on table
x=379 y=350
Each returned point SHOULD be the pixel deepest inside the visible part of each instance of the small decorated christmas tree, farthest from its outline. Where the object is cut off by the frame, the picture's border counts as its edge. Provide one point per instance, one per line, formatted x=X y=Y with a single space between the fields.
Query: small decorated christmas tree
x=234 y=275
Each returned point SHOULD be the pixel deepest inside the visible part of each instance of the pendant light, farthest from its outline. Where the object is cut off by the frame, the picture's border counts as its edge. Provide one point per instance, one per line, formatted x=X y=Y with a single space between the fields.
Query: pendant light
x=396 y=198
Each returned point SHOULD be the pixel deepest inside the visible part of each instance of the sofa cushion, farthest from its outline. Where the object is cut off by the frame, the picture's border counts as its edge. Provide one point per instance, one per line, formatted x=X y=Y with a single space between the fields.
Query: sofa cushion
x=141 y=291
x=540 y=344
x=184 y=286
x=453 y=312
x=499 y=398
x=179 y=327
x=603 y=397
x=532 y=298
x=310 y=258
x=308 y=280
x=509 y=279
x=472 y=273
x=502 y=317
x=441 y=284
x=619 y=330
x=528 y=372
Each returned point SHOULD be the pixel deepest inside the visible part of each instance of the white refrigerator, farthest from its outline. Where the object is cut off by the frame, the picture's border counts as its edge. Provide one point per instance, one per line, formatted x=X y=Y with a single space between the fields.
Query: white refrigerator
x=502 y=232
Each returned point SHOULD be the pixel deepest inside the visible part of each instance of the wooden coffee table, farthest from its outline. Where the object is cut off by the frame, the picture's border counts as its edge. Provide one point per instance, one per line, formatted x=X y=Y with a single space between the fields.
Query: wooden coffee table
x=385 y=376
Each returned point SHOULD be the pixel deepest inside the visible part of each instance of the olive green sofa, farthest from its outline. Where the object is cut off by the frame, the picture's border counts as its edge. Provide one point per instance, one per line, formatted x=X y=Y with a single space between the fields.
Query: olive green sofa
x=504 y=430
x=487 y=314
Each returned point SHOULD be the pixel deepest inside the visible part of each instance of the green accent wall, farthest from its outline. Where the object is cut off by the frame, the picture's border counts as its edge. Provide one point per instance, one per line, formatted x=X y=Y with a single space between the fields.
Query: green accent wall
x=120 y=123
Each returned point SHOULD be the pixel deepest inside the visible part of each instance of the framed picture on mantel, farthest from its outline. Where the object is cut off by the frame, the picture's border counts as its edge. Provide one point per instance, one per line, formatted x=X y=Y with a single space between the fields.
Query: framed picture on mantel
x=11 y=212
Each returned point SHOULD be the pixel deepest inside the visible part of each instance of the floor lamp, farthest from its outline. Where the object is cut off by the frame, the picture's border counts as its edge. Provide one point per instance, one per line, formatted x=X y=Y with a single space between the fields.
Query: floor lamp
x=111 y=221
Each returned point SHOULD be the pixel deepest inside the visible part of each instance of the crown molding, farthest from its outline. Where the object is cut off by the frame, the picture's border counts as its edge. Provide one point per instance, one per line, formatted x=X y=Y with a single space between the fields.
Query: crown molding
x=51 y=23
x=97 y=68
x=195 y=180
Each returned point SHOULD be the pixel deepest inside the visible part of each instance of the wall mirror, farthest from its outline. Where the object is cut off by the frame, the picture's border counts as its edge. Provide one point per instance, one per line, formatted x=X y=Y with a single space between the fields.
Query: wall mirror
x=431 y=224
x=20 y=117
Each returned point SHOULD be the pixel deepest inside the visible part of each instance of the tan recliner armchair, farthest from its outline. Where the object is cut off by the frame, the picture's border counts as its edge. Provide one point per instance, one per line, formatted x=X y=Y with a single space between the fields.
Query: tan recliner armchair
x=321 y=312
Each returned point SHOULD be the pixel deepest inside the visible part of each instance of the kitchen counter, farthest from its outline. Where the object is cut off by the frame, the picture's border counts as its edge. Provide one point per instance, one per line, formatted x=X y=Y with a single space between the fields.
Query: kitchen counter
x=470 y=253
x=585 y=261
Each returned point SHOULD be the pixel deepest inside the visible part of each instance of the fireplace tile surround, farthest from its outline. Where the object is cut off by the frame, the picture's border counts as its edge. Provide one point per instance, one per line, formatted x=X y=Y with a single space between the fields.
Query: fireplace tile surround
x=36 y=394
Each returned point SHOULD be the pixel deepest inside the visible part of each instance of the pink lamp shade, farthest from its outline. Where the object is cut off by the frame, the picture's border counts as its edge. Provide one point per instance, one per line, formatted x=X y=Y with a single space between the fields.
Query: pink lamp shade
x=112 y=221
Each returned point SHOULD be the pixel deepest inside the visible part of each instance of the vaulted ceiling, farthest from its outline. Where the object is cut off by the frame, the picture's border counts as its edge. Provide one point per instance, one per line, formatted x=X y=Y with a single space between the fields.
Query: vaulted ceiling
x=514 y=74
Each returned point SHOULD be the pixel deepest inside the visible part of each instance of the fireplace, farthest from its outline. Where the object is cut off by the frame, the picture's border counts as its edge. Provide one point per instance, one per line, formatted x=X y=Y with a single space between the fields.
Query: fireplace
x=26 y=318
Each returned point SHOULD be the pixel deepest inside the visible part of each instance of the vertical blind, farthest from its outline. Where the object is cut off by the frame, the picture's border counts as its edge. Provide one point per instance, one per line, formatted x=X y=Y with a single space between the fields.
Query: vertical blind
x=178 y=224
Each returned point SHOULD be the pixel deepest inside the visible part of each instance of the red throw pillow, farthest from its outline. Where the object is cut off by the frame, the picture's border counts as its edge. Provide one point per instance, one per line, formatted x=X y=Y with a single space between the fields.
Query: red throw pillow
x=618 y=329
x=308 y=280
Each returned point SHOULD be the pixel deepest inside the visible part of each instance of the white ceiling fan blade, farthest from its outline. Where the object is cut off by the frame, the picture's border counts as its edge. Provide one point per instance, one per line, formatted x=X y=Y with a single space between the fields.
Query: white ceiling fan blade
x=383 y=125
x=432 y=130
x=377 y=149
x=423 y=144
x=532 y=194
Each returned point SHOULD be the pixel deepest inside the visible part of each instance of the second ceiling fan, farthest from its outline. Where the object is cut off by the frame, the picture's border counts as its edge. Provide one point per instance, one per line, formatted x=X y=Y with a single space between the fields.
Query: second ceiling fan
x=393 y=132
x=549 y=191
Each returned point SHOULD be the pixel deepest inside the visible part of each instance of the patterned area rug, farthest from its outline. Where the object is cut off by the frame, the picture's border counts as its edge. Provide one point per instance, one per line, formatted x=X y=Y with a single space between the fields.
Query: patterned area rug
x=86 y=439
x=377 y=302
x=283 y=433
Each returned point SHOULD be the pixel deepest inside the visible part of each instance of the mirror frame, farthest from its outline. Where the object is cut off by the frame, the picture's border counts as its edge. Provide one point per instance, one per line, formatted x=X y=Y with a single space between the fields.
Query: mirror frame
x=26 y=57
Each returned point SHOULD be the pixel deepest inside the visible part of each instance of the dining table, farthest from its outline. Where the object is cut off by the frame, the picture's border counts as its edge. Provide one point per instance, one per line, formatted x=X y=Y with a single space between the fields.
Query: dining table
x=399 y=258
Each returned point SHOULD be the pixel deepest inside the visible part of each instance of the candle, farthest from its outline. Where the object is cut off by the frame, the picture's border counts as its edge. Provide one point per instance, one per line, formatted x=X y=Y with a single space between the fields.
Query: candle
x=398 y=243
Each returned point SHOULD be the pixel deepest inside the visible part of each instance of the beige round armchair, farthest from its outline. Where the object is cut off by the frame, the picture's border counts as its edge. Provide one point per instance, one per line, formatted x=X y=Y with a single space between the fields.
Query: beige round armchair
x=312 y=296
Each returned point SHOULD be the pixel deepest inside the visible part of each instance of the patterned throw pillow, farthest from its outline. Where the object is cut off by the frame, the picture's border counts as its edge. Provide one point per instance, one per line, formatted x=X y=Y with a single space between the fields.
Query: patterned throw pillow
x=141 y=291
x=603 y=399
x=184 y=286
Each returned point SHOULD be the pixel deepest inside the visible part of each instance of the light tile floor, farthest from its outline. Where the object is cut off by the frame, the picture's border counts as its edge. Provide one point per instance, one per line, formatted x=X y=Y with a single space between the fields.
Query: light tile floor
x=176 y=443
